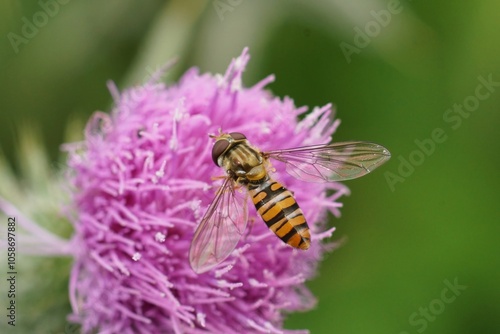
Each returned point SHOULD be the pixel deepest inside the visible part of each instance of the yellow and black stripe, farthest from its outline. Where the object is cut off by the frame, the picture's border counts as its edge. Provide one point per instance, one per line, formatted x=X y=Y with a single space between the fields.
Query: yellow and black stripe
x=279 y=210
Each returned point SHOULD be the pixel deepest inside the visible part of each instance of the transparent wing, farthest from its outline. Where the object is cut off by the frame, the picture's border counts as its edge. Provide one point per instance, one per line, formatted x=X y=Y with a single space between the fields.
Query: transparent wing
x=332 y=162
x=220 y=228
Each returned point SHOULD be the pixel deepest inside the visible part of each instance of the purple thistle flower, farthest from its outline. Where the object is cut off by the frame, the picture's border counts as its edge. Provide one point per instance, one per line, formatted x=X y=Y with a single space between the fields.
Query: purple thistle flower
x=143 y=178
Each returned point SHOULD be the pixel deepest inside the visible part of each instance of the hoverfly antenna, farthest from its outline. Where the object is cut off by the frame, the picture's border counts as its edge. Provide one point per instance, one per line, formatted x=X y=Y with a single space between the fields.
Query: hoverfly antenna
x=211 y=135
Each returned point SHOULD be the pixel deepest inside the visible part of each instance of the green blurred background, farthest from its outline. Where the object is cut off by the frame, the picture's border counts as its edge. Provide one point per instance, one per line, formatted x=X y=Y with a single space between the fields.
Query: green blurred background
x=408 y=231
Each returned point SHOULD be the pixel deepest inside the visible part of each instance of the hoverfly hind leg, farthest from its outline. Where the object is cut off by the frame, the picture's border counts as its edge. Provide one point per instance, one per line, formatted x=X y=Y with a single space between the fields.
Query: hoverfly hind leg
x=251 y=221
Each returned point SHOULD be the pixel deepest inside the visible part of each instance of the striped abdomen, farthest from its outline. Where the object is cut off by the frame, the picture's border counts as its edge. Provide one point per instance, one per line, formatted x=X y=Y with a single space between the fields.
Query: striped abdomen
x=279 y=210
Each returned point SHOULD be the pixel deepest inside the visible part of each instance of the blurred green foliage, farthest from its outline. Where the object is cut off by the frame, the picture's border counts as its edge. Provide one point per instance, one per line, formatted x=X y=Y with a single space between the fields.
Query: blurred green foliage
x=404 y=240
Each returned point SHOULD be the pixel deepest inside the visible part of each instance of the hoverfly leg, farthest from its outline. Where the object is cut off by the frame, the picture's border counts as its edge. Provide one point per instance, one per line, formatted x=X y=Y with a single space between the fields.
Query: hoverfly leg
x=251 y=221
x=220 y=177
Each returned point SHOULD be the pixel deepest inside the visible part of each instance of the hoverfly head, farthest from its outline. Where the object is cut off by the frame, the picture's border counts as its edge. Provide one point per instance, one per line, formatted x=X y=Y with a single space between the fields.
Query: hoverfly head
x=223 y=143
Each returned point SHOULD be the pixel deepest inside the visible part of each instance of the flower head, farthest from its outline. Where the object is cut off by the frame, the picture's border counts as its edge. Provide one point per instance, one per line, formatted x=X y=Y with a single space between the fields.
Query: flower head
x=143 y=178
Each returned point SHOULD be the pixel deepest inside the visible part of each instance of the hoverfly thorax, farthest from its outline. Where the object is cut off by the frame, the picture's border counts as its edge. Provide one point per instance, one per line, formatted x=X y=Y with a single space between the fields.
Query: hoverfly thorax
x=242 y=162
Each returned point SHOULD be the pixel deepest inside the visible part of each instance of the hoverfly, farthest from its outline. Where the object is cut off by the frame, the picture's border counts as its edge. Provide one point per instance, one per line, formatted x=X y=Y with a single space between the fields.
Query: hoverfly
x=246 y=166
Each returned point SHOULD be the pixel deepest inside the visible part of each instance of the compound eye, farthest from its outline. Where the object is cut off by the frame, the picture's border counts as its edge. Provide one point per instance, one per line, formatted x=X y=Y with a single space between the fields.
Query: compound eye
x=237 y=136
x=219 y=147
